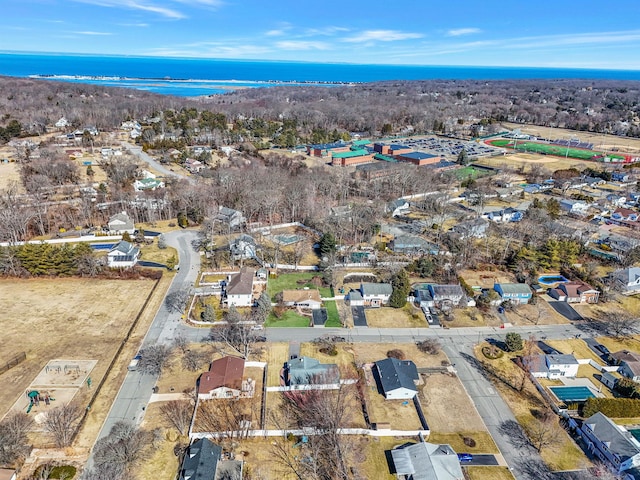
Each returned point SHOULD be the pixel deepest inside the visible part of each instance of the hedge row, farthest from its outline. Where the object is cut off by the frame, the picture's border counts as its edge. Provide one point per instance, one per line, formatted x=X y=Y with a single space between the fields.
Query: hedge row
x=612 y=407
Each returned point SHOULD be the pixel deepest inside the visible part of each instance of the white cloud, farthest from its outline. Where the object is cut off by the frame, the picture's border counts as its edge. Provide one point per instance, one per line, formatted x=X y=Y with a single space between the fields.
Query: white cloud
x=89 y=32
x=137 y=5
x=326 y=31
x=141 y=25
x=592 y=38
x=275 y=33
x=382 y=36
x=211 y=50
x=457 y=32
x=301 y=45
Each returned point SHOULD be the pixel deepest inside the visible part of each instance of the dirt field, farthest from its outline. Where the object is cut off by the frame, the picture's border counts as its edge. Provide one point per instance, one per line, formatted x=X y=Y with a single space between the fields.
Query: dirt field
x=387 y=317
x=9 y=174
x=371 y=352
x=539 y=314
x=486 y=278
x=63 y=318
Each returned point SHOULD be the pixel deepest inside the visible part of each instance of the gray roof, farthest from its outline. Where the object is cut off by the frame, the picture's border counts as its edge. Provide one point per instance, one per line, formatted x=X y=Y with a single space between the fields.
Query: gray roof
x=628 y=275
x=515 y=288
x=376 y=289
x=201 y=460
x=562 y=359
x=124 y=218
x=427 y=461
x=355 y=295
x=447 y=291
x=126 y=248
x=396 y=374
x=307 y=371
x=241 y=283
x=620 y=441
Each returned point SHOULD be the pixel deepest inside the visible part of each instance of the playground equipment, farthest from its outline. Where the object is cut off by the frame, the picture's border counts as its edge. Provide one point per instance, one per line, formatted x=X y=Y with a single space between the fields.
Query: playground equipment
x=35 y=398
x=304 y=440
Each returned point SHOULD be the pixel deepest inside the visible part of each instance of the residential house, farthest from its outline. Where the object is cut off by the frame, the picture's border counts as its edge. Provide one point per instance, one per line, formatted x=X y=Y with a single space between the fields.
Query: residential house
x=243 y=247
x=147 y=184
x=627 y=280
x=203 y=460
x=397 y=207
x=574 y=207
x=376 y=294
x=305 y=298
x=616 y=199
x=121 y=223
x=476 y=228
x=612 y=444
x=413 y=245
x=625 y=215
x=609 y=379
x=194 y=166
x=354 y=298
x=575 y=292
x=515 y=292
x=309 y=371
x=223 y=380
x=239 y=289
x=629 y=364
x=397 y=378
x=620 y=177
x=62 y=123
x=551 y=366
x=426 y=461
x=123 y=255
x=422 y=296
x=229 y=216
x=8 y=474
x=446 y=294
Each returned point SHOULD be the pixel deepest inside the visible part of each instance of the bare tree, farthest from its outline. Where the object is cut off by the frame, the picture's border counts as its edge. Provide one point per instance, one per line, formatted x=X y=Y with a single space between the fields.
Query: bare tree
x=193 y=360
x=429 y=345
x=620 y=324
x=178 y=413
x=14 y=443
x=61 y=422
x=545 y=431
x=119 y=451
x=236 y=334
x=176 y=301
x=154 y=359
x=181 y=342
x=228 y=418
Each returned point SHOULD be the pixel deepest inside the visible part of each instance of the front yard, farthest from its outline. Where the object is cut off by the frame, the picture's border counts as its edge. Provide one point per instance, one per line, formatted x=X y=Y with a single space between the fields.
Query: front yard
x=388 y=317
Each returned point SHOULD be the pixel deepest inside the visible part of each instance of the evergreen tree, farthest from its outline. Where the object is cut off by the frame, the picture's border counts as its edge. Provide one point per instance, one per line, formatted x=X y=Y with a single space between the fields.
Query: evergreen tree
x=401 y=288
x=327 y=244
x=162 y=242
x=208 y=314
x=463 y=157
x=126 y=237
x=514 y=342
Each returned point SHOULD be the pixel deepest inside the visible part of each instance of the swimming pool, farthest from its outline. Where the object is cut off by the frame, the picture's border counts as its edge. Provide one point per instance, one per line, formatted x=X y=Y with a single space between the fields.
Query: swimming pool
x=102 y=246
x=572 y=394
x=550 y=279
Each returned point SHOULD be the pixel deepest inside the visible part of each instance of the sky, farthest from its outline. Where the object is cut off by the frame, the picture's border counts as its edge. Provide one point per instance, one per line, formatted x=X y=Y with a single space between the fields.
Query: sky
x=545 y=33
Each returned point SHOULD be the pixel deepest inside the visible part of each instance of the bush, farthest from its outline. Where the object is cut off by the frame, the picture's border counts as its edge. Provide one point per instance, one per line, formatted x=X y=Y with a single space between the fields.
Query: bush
x=399 y=354
x=429 y=345
x=612 y=407
x=469 y=442
x=492 y=352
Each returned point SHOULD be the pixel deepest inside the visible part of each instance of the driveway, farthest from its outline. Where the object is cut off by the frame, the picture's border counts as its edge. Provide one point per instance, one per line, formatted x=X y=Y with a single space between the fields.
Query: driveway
x=359 y=317
x=481 y=459
x=566 y=310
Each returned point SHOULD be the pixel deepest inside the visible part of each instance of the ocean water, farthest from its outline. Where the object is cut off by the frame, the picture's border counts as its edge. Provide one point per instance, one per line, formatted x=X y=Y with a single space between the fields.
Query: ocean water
x=194 y=77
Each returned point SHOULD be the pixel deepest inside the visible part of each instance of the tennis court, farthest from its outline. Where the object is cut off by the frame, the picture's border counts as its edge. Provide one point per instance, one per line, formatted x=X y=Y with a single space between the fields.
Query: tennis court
x=572 y=394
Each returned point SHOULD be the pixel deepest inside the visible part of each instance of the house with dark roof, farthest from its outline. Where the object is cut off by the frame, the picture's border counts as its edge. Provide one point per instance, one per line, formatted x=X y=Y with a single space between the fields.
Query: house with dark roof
x=397 y=378
x=243 y=247
x=123 y=255
x=223 y=380
x=629 y=364
x=239 y=289
x=413 y=245
x=354 y=298
x=446 y=295
x=426 y=461
x=575 y=292
x=230 y=217
x=515 y=292
x=376 y=294
x=203 y=460
x=612 y=444
x=120 y=223
x=476 y=228
x=309 y=371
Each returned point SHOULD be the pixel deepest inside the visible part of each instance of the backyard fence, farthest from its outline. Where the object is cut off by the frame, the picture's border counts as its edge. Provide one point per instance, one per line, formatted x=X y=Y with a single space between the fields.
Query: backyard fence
x=13 y=361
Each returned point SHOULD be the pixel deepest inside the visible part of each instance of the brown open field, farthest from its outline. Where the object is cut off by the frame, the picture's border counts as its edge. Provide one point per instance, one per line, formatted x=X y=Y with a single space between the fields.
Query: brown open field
x=371 y=352
x=387 y=317
x=488 y=473
x=486 y=278
x=398 y=414
x=470 y=317
x=160 y=463
x=275 y=356
x=539 y=314
x=9 y=175
x=442 y=394
x=64 y=318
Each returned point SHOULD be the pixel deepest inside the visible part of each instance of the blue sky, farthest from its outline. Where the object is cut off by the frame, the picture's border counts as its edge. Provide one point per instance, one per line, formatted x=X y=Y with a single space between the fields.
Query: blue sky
x=561 y=33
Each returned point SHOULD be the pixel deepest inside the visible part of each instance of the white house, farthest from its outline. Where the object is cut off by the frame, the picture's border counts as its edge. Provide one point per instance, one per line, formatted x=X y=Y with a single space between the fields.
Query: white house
x=123 y=255
x=612 y=444
x=121 y=223
x=426 y=461
x=551 y=366
x=397 y=378
x=398 y=207
x=147 y=184
x=62 y=123
x=239 y=290
x=627 y=280
x=243 y=247
x=376 y=294
x=576 y=207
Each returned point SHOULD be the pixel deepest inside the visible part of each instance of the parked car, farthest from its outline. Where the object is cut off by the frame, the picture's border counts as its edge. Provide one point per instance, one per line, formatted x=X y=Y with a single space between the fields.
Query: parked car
x=603 y=349
x=465 y=457
x=261 y=339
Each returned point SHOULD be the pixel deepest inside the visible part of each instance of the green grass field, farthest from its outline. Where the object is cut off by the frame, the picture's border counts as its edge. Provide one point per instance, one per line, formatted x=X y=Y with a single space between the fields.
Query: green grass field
x=294 y=281
x=556 y=150
x=288 y=319
x=469 y=172
x=333 y=319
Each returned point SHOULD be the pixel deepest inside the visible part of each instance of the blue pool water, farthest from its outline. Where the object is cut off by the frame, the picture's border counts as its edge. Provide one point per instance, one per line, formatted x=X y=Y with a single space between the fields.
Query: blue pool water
x=550 y=279
x=572 y=394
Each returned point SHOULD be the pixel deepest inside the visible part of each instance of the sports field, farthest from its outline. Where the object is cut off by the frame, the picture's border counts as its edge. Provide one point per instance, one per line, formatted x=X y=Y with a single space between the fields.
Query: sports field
x=557 y=150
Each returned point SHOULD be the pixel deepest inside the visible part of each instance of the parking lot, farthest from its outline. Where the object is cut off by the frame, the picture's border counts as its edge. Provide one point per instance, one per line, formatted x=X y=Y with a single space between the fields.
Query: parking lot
x=448 y=148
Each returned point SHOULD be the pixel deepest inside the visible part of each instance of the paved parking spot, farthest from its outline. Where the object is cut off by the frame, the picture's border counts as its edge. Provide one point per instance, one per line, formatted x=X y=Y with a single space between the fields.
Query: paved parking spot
x=359 y=317
x=566 y=310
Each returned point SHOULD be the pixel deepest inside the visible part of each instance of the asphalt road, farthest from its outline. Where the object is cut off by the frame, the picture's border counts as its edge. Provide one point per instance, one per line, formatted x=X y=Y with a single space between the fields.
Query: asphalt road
x=136 y=390
x=144 y=156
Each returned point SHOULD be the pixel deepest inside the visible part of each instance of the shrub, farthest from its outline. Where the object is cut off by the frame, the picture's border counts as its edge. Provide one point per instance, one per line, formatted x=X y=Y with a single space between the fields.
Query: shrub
x=492 y=352
x=469 y=442
x=429 y=345
x=395 y=353
x=612 y=407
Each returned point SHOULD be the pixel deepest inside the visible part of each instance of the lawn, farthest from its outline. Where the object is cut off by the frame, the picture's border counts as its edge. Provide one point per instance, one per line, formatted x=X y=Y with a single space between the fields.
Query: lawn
x=175 y=378
x=388 y=317
x=160 y=463
x=488 y=473
x=333 y=318
x=344 y=359
x=574 y=346
x=275 y=356
x=484 y=441
x=469 y=317
x=376 y=465
x=295 y=281
x=200 y=304
x=288 y=319
x=151 y=253
x=398 y=414
x=468 y=172
x=371 y=352
x=556 y=150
